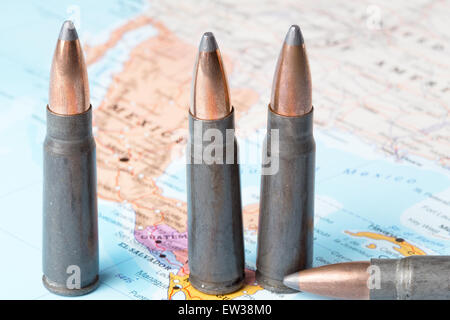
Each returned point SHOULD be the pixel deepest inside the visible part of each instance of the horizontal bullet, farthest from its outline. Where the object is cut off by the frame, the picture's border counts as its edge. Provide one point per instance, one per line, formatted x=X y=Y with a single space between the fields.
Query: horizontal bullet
x=410 y=278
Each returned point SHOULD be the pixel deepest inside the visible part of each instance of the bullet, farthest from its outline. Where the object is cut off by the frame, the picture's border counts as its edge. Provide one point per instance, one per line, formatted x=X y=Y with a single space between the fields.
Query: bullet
x=70 y=232
x=215 y=229
x=285 y=231
x=410 y=278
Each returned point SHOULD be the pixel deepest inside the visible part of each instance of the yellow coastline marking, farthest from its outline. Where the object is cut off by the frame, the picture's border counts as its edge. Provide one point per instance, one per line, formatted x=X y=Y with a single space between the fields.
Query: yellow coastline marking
x=181 y=283
x=401 y=246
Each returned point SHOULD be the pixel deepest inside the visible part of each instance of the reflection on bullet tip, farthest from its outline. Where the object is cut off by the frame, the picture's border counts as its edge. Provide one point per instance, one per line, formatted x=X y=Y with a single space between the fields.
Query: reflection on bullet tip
x=68 y=31
x=208 y=43
x=291 y=281
x=294 y=36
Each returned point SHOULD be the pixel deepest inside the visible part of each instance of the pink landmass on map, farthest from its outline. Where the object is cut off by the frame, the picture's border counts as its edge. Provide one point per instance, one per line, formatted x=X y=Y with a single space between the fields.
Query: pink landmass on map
x=162 y=238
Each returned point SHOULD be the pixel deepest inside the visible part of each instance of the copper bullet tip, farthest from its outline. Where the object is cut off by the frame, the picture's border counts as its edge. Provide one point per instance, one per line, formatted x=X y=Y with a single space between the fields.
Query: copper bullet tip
x=210 y=96
x=292 y=281
x=69 y=87
x=342 y=280
x=291 y=88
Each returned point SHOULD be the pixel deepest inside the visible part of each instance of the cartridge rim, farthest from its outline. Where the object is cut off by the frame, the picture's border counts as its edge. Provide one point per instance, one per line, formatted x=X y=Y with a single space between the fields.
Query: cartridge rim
x=62 y=290
x=225 y=287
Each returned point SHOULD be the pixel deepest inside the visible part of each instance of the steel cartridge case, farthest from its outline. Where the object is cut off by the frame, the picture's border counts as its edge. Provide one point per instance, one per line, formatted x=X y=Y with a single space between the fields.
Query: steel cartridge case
x=410 y=278
x=70 y=231
x=215 y=229
x=286 y=216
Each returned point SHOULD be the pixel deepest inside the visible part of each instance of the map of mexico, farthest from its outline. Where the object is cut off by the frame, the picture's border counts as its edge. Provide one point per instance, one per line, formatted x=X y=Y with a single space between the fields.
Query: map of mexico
x=381 y=128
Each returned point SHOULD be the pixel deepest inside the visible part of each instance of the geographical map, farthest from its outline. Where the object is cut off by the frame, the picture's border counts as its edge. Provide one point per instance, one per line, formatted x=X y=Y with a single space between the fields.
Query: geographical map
x=381 y=93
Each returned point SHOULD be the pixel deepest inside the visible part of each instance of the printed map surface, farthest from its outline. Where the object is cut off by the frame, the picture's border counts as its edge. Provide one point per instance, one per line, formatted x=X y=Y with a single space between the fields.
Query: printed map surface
x=381 y=93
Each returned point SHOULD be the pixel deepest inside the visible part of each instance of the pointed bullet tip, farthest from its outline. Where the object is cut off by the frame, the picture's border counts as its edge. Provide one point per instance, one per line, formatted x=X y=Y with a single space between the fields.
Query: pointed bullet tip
x=69 y=86
x=208 y=43
x=210 y=95
x=291 y=281
x=294 y=36
x=68 y=31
